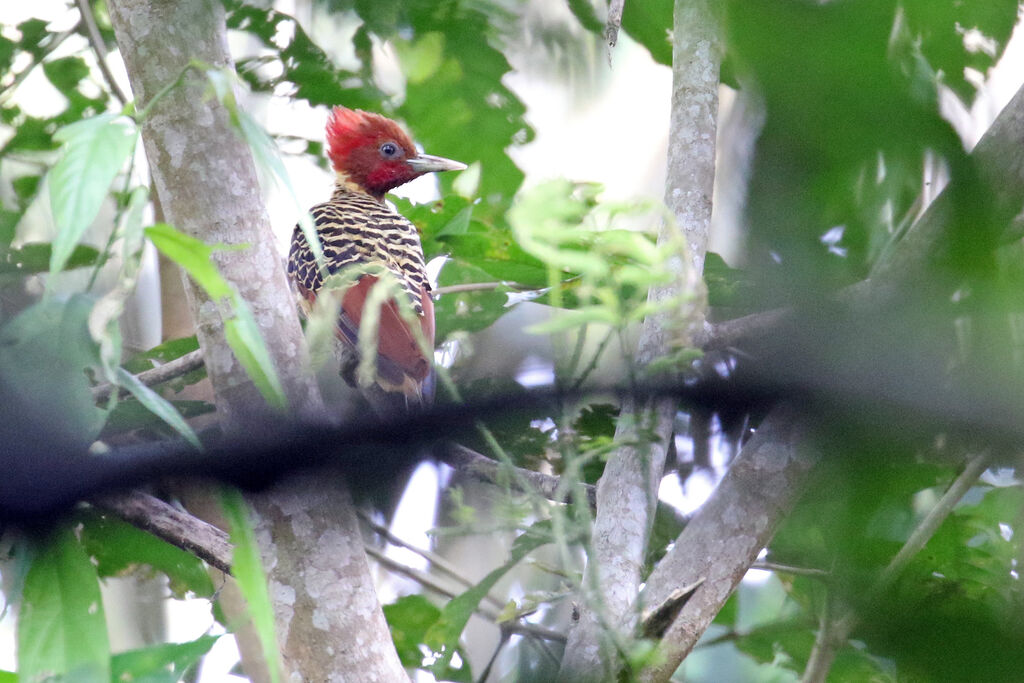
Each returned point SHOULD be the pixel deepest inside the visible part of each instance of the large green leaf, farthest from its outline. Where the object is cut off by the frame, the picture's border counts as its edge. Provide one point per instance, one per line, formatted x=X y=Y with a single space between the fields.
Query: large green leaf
x=467 y=311
x=304 y=66
x=247 y=568
x=62 y=631
x=240 y=328
x=463 y=90
x=130 y=415
x=44 y=354
x=164 y=663
x=95 y=149
x=650 y=24
x=409 y=618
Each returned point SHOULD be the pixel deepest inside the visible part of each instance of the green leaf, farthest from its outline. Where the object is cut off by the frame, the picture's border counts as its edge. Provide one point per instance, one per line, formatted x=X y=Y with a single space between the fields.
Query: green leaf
x=165 y=663
x=8 y=226
x=34 y=257
x=247 y=568
x=159 y=406
x=409 y=618
x=33 y=37
x=421 y=59
x=584 y=12
x=444 y=635
x=25 y=188
x=95 y=149
x=467 y=311
x=938 y=31
x=649 y=24
x=8 y=677
x=117 y=547
x=130 y=415
x=66 y=72
x=61 y=627
x=240 y=328
x=160 y=354
x=464 y=91
x=194 y=256
x=303 y=64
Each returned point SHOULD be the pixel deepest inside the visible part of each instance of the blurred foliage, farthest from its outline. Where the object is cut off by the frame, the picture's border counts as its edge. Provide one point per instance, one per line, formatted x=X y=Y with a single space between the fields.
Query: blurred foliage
x=850 y=93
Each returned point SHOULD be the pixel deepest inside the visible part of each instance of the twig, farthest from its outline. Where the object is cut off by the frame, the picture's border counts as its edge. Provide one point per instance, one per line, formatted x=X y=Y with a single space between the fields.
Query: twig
x=611 y=29
x=826 y=644
x=470 y=287
x=430 y=582
x=434 y=559
x=482 y=467
x=788 y=569
x=92 y=32
x=933 y=520
x=192 y=360
x=178 y=528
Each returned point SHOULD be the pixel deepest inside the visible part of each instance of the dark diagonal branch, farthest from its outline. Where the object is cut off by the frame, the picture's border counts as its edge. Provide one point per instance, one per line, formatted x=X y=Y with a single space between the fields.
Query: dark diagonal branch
x=178 y=528
x=479 y=466
x=92 y=32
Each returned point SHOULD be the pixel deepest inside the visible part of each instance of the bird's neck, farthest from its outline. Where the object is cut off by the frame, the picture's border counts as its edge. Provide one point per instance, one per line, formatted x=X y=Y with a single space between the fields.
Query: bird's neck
x=344 y=185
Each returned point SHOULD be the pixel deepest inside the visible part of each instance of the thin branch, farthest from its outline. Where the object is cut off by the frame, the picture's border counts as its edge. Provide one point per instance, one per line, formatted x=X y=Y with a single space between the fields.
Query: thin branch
x=833 y=635
x=435 y=560
x=480 y=466
x=933 y=520
x=470 y=287
x=158 y=375
x=92 y=32
x=458 y=456
x=430 y=582
x=826 y=644
x=167 y=522
x=789 y=569
x=611 y=29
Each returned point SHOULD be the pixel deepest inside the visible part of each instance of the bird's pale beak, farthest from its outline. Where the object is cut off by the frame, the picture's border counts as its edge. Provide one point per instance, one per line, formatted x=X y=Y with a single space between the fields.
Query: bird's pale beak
x=427 y=163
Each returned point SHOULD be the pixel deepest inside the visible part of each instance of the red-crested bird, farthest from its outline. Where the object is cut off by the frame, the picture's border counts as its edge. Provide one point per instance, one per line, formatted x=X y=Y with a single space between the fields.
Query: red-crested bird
x=371 y=156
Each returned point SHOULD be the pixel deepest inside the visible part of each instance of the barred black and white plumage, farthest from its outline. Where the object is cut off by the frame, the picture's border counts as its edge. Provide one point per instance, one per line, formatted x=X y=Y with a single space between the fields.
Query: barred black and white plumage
x=355 y=228
x=371 y=156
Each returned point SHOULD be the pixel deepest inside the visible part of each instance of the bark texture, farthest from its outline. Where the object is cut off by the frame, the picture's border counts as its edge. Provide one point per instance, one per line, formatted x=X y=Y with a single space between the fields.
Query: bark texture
x=330 y=624
x=628 y=491
x=206 y=180
x=725 y=536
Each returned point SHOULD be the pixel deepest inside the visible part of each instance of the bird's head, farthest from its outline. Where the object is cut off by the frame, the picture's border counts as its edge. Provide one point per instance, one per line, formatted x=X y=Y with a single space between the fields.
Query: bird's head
x=373 y=153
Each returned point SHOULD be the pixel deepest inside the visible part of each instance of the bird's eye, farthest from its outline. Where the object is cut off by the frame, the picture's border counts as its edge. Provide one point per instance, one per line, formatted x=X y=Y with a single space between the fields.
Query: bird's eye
x=389 y=150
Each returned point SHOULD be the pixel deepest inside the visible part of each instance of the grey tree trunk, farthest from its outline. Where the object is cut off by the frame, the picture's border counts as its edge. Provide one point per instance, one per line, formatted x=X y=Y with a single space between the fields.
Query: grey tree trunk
x=628 y=490
x=330 y=624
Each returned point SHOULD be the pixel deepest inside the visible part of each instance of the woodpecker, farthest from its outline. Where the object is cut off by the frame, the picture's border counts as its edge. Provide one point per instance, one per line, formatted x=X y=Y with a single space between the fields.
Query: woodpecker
x=372 y=155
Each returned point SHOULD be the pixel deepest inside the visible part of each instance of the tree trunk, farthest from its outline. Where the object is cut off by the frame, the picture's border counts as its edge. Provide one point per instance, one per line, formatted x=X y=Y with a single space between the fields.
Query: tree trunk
x=628 y=490
x=329 y=622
